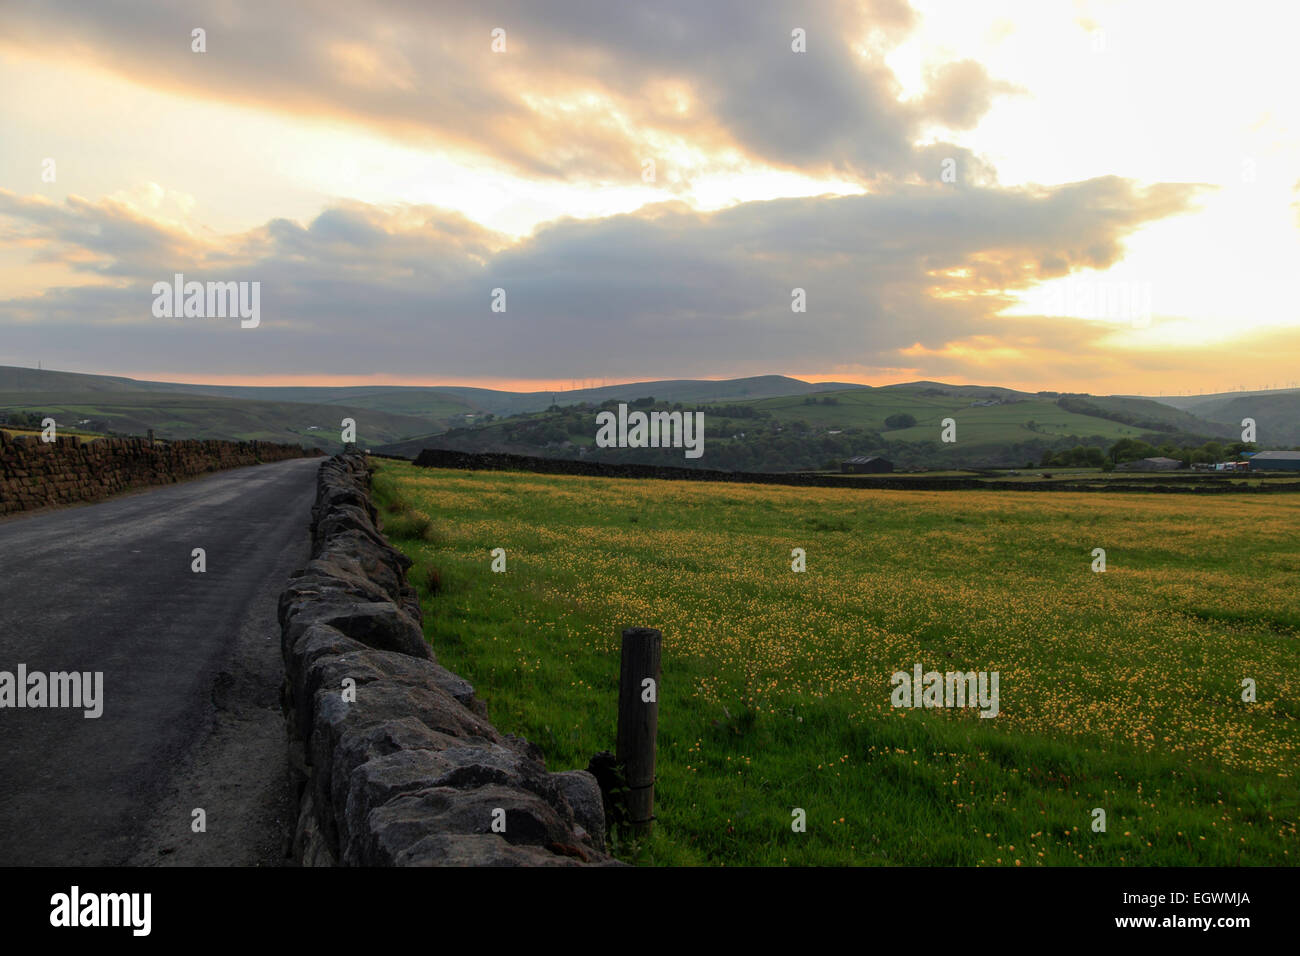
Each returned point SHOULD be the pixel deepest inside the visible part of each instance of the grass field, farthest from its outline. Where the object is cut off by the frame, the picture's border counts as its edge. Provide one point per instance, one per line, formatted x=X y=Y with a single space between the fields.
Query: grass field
x=1119 y=690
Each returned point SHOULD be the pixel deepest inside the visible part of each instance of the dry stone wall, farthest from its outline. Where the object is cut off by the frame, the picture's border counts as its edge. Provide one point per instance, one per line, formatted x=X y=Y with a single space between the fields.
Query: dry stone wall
x=34 y=473
x=393 y=756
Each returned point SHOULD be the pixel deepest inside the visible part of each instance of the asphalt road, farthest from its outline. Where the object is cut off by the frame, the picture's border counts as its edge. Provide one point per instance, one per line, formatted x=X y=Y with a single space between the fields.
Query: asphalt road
x=191 y=672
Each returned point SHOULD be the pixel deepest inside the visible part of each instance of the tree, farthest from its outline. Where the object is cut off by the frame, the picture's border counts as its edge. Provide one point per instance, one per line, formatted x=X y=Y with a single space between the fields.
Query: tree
x=901 y=420
x=1130 y=449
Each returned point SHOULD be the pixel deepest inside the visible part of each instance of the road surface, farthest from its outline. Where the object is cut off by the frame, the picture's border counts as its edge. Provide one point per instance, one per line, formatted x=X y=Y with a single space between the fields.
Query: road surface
x=191 y=672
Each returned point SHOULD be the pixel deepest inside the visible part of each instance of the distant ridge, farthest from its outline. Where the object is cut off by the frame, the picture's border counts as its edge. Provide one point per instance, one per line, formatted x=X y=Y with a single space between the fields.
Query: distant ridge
x=407 y=413
x=443 y=402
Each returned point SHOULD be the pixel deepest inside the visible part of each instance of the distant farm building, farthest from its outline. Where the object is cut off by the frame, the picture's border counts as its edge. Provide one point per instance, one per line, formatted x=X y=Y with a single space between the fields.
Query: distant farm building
x=1150 y=464
x=1275 y=461
x=865 y=465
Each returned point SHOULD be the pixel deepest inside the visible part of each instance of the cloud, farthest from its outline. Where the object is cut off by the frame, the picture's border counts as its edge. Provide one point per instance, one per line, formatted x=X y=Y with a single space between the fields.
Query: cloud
x=959 y=94
x=667 y=290
x=108 y=238
x=584 y=92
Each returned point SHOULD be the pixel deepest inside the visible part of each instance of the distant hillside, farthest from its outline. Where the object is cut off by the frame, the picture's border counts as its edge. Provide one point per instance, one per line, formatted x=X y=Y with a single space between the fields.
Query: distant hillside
x=201 y=416
x=1148 y=415
x=1195 y=402
x=686 y=391
x=1276 y=413
x=991 y=416
x=815 y=430
x=15 y=379
x=441 y=406
x=803 y=424
x=432 y=406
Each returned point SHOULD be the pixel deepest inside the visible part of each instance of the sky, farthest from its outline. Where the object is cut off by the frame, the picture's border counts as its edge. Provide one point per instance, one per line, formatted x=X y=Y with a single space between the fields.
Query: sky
x=1076 y=196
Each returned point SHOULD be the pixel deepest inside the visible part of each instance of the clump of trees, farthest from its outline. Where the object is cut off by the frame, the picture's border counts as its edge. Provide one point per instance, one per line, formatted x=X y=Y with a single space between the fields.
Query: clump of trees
x=1076 y=457
x=1131 y=449
x=21 y=419
x=901 y=420
x=1134 y=449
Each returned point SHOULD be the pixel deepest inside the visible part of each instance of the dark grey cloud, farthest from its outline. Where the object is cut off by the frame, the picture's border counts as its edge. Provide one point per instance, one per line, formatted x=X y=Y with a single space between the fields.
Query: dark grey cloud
x=424 y=72
x=666 y=291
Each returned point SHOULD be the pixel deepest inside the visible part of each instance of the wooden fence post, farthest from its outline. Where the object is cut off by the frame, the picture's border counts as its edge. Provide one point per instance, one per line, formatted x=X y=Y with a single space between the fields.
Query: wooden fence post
x=638 y=720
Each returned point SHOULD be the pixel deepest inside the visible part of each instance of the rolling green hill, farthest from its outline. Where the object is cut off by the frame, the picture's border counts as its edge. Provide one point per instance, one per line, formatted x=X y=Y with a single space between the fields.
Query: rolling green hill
x=686 y=391
x=431 y=405
x=440 y=406
x=994 y=428
x=1276 y=413
x=1020 y=417
x=994 y=424
x=203 y=416
x=1149 y=411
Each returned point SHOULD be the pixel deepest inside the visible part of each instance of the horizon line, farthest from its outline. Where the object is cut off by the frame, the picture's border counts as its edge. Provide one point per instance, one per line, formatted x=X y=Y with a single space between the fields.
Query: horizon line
x=558 y=386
